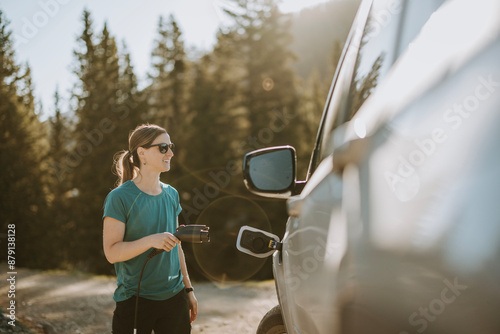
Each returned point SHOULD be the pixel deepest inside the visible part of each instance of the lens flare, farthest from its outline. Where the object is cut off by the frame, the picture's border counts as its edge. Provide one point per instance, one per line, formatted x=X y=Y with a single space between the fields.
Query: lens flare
x=220 y=261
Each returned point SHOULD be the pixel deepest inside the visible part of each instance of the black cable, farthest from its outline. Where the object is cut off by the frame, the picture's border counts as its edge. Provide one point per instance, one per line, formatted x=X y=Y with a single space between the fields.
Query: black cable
x=153 y=253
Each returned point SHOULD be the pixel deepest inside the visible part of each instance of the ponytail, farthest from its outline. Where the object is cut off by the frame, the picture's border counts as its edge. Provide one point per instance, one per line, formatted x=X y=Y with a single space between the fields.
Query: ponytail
x=126 y=163
x=125 y=166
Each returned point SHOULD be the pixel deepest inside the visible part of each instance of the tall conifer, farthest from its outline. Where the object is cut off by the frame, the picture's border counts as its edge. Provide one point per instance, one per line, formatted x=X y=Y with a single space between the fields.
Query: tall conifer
x=260 y=40
x=23 y=196
x=99 y=116
x=168 y=89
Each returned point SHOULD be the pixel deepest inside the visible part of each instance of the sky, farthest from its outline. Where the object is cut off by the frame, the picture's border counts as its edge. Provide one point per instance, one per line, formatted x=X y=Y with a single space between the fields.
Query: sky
x=45 y=33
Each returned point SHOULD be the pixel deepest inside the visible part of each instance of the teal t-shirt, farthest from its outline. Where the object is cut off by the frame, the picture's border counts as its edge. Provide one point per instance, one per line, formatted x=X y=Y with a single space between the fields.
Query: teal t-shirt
x=145 y=214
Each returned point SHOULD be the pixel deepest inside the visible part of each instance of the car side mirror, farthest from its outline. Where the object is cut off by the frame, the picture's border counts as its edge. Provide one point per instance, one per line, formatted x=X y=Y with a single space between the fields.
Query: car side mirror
x=270 y=172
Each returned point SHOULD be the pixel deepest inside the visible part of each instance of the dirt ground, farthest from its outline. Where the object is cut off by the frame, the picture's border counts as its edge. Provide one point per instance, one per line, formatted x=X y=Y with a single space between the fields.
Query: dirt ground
x=69 y=303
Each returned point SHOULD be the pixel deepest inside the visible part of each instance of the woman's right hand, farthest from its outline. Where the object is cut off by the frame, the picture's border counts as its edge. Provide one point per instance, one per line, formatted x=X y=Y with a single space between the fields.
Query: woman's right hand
x=166 y=241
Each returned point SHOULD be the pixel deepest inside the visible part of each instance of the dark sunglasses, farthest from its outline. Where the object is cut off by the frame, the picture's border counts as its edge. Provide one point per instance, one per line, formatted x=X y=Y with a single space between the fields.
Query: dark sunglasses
x=163 y=147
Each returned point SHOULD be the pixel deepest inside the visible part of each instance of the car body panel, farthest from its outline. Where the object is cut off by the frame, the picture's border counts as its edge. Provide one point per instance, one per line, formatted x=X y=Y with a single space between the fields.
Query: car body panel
x=428 y=257
x=316 y=238
x=312 y=250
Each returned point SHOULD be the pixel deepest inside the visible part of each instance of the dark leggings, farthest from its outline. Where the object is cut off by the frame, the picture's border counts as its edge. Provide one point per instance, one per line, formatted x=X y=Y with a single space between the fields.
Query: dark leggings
x=169 y=316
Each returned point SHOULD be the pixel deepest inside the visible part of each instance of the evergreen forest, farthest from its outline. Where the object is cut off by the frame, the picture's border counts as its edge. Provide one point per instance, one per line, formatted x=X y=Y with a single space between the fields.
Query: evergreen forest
x=260 y=85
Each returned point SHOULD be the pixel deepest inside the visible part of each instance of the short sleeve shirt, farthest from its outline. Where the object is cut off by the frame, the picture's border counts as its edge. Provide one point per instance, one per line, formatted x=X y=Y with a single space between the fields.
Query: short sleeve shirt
x=143 y=215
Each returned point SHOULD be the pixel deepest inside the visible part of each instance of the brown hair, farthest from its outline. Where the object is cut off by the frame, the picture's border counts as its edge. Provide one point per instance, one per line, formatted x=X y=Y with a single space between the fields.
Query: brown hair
x=126 y=163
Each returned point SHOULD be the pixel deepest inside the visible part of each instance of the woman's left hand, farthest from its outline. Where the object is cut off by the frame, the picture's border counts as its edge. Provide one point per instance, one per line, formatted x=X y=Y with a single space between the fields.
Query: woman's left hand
x=193 y=306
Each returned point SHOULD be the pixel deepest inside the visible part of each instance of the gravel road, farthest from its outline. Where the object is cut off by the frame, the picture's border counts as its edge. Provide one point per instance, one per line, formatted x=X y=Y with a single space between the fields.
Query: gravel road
x=67 y=303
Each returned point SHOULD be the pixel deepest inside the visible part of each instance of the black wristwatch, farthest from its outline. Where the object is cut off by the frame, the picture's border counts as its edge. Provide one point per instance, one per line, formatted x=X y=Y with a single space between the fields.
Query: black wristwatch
x=188 y=290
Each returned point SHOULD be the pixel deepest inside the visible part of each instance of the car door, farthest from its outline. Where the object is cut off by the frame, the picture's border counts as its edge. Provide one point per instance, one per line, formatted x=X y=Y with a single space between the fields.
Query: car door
x=316 y=234
x=427 y=258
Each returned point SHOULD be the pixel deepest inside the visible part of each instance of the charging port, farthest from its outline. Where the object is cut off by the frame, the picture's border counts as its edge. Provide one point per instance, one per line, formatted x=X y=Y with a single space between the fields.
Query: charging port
x=256 y=242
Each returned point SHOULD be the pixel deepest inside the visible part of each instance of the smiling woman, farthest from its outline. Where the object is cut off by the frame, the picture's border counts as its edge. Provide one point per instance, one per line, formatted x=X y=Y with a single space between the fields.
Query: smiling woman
x=140 y=214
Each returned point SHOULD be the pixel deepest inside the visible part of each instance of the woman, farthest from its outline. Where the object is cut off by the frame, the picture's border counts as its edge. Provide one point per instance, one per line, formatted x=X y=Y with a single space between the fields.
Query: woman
x=141 y=214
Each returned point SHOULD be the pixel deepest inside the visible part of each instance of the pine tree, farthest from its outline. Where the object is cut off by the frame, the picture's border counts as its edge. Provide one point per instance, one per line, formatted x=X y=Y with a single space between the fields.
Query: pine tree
x=267 y=87
x=99 y=115
x=131 y=103
x=59 y=183
x=167 y=91
x=59 y=139
x=211 y=118
x=23 y=197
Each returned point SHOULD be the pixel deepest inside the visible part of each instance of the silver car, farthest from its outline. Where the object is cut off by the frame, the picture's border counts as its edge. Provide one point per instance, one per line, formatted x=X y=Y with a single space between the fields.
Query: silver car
x=397 y=229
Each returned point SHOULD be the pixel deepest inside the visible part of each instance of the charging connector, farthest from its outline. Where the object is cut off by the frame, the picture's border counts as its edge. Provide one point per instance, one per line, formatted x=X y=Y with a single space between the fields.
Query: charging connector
x=196 y=234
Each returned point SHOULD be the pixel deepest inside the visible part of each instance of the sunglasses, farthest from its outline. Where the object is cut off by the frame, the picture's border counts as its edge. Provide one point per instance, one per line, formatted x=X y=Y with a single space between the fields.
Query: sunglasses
x=163 y=147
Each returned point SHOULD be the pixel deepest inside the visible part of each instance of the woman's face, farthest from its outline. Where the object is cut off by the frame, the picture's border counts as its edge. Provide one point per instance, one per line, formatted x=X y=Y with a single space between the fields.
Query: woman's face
x=156 y=160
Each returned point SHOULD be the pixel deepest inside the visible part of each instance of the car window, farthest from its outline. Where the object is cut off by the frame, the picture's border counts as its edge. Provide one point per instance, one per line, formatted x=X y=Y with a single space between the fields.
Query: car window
x=389 y=29
x=416 y=14
x=376 y=55
x=369 y=60
x=344 y=69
